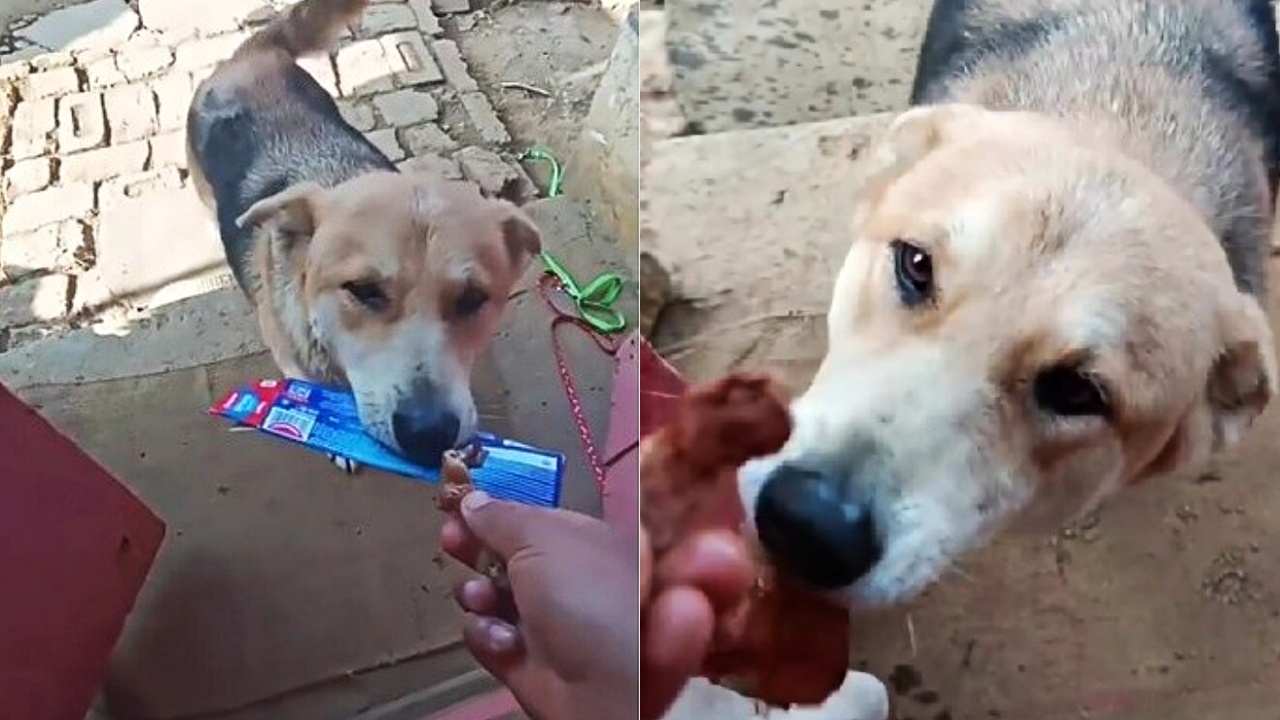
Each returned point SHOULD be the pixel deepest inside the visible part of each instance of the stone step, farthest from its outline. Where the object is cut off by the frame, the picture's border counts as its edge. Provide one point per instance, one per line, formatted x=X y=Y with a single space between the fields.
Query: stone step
x=744 y=64
x=751 y=226
x=197 y=331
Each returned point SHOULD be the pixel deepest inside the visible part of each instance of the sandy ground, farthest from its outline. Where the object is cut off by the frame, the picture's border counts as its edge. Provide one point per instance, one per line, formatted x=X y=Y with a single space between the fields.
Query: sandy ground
x=545 y=57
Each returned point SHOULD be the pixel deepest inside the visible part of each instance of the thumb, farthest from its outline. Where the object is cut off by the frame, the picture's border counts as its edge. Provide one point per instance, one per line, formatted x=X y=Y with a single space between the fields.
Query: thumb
x=506 y=528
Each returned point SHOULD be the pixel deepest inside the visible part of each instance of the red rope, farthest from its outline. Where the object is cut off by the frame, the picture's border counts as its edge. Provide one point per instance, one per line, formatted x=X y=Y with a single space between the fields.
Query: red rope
x=610 y=348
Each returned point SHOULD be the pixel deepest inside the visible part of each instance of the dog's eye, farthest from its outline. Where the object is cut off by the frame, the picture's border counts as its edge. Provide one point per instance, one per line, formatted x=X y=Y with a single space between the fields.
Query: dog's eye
x=1068 y=392
x=913 y=271
x=369 y=294
x=469 y=301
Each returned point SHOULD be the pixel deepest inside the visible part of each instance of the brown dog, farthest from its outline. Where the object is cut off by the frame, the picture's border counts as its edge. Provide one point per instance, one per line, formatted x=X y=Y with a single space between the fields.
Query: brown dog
x=389 y=282
x=1053 y=287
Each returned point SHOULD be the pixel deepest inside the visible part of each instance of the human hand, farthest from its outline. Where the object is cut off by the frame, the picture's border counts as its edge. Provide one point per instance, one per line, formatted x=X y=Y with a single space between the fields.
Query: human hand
x=563 y=635
x=704 y=576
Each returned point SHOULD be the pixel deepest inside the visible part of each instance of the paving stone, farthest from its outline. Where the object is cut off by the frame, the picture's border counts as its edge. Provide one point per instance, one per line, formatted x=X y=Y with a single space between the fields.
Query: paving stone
x=28 y=176
x=410 y=60
x=60 y=202
x=32 y=127
x=451 y=7
x=103 y=73
x=94 y=54
x=358 y=115
x=62 y=248
x=103 y=163
x=36 y=300
x=143 y=63
x=121 y=190
x=152 y=236
x=321 y=68
x=22 y=54
x=182 y=19
x=51 y=83
x=169 y=149
x=495 y=177
x=406 y=107
x=29 y=253
x=363 y=68
x=131 y=112
x=453 y=66
x=434 y=166
x=429 y=138
x=428 y=23
x=14 y=71
x=205 y=52
x=385 y=140
x=387 y=17
x=52 y=60
x=199 y=75
x=81 y=123
x=95 y=24
x=173 y=96
x=484 y=119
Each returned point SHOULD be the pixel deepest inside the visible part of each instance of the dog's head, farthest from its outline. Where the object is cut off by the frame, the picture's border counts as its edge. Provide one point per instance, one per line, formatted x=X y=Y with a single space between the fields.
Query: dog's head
x=400 y=281
x=1023 y=325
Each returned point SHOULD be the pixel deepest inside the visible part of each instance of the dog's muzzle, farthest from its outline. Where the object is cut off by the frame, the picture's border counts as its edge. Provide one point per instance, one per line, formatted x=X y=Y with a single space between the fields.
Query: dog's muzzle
x=424 y=431
x=812 y=530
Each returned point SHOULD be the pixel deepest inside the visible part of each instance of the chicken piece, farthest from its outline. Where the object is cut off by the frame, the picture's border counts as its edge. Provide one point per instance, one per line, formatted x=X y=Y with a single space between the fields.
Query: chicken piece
x=688 y=469
x=455 y=484
x=782 y=644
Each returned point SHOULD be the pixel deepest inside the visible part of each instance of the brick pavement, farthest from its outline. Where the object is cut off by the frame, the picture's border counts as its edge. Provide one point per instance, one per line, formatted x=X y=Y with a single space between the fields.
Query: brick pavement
x=95 y=209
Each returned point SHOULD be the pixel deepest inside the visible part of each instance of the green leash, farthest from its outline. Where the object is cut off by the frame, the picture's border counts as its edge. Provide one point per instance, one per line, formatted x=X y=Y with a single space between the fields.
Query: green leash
x=595 y=301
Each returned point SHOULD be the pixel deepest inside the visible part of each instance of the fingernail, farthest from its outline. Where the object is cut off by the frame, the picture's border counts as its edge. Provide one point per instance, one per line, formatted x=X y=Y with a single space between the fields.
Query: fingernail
x=476 y=499
x=500 y=636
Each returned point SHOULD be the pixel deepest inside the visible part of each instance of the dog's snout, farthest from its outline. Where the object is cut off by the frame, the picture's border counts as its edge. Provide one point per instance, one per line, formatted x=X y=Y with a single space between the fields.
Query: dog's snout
x=811 y=531
x=424 y=431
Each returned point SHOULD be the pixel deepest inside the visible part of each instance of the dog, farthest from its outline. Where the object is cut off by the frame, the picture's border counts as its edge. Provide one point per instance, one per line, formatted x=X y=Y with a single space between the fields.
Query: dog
x=391 y=283
x=1054 y=289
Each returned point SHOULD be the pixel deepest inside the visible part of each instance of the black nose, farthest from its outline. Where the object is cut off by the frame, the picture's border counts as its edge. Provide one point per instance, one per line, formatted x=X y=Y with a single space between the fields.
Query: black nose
x=425 y=431
x=813 y=532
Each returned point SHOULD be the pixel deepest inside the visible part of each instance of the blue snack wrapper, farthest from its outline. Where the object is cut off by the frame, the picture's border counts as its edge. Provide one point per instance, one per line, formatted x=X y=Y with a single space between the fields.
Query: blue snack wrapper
x=325 y=419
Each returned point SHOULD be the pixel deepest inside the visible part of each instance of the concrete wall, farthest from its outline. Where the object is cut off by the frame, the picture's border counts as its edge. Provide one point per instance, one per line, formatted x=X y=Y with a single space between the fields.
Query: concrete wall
x=604 y=169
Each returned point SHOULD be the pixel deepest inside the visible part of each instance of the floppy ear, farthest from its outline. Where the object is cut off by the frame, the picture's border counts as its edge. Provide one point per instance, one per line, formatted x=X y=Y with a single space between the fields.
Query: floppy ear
x=912 y=136
x=1242 y=380
x=522 y=237
x=289 y=213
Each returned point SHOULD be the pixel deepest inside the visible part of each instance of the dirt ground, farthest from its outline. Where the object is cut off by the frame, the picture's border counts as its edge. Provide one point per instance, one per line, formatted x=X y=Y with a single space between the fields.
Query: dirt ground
x=546 y=58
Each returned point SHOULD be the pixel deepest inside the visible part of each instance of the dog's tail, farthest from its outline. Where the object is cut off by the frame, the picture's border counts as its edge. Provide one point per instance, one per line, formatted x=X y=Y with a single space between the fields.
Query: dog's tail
x=306 y=28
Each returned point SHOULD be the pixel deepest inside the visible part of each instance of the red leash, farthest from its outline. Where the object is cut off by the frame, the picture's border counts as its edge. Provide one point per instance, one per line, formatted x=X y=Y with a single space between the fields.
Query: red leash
x=546 y=282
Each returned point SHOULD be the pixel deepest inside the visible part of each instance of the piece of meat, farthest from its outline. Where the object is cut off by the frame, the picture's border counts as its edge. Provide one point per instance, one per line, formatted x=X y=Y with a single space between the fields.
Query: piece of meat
x=455 y=483
x=782 y=644
x=688 y=469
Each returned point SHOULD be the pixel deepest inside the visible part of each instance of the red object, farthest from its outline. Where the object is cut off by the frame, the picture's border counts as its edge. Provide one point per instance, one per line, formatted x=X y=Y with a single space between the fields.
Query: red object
x=75 y=547
x=598 y=465
x=621 y=506
x=661 y=388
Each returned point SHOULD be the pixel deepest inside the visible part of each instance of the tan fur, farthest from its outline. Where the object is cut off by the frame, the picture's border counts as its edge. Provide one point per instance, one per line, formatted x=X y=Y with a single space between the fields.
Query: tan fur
x=1048 y=247
x=423 y=241
x=305 y=28
x=317 y=249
